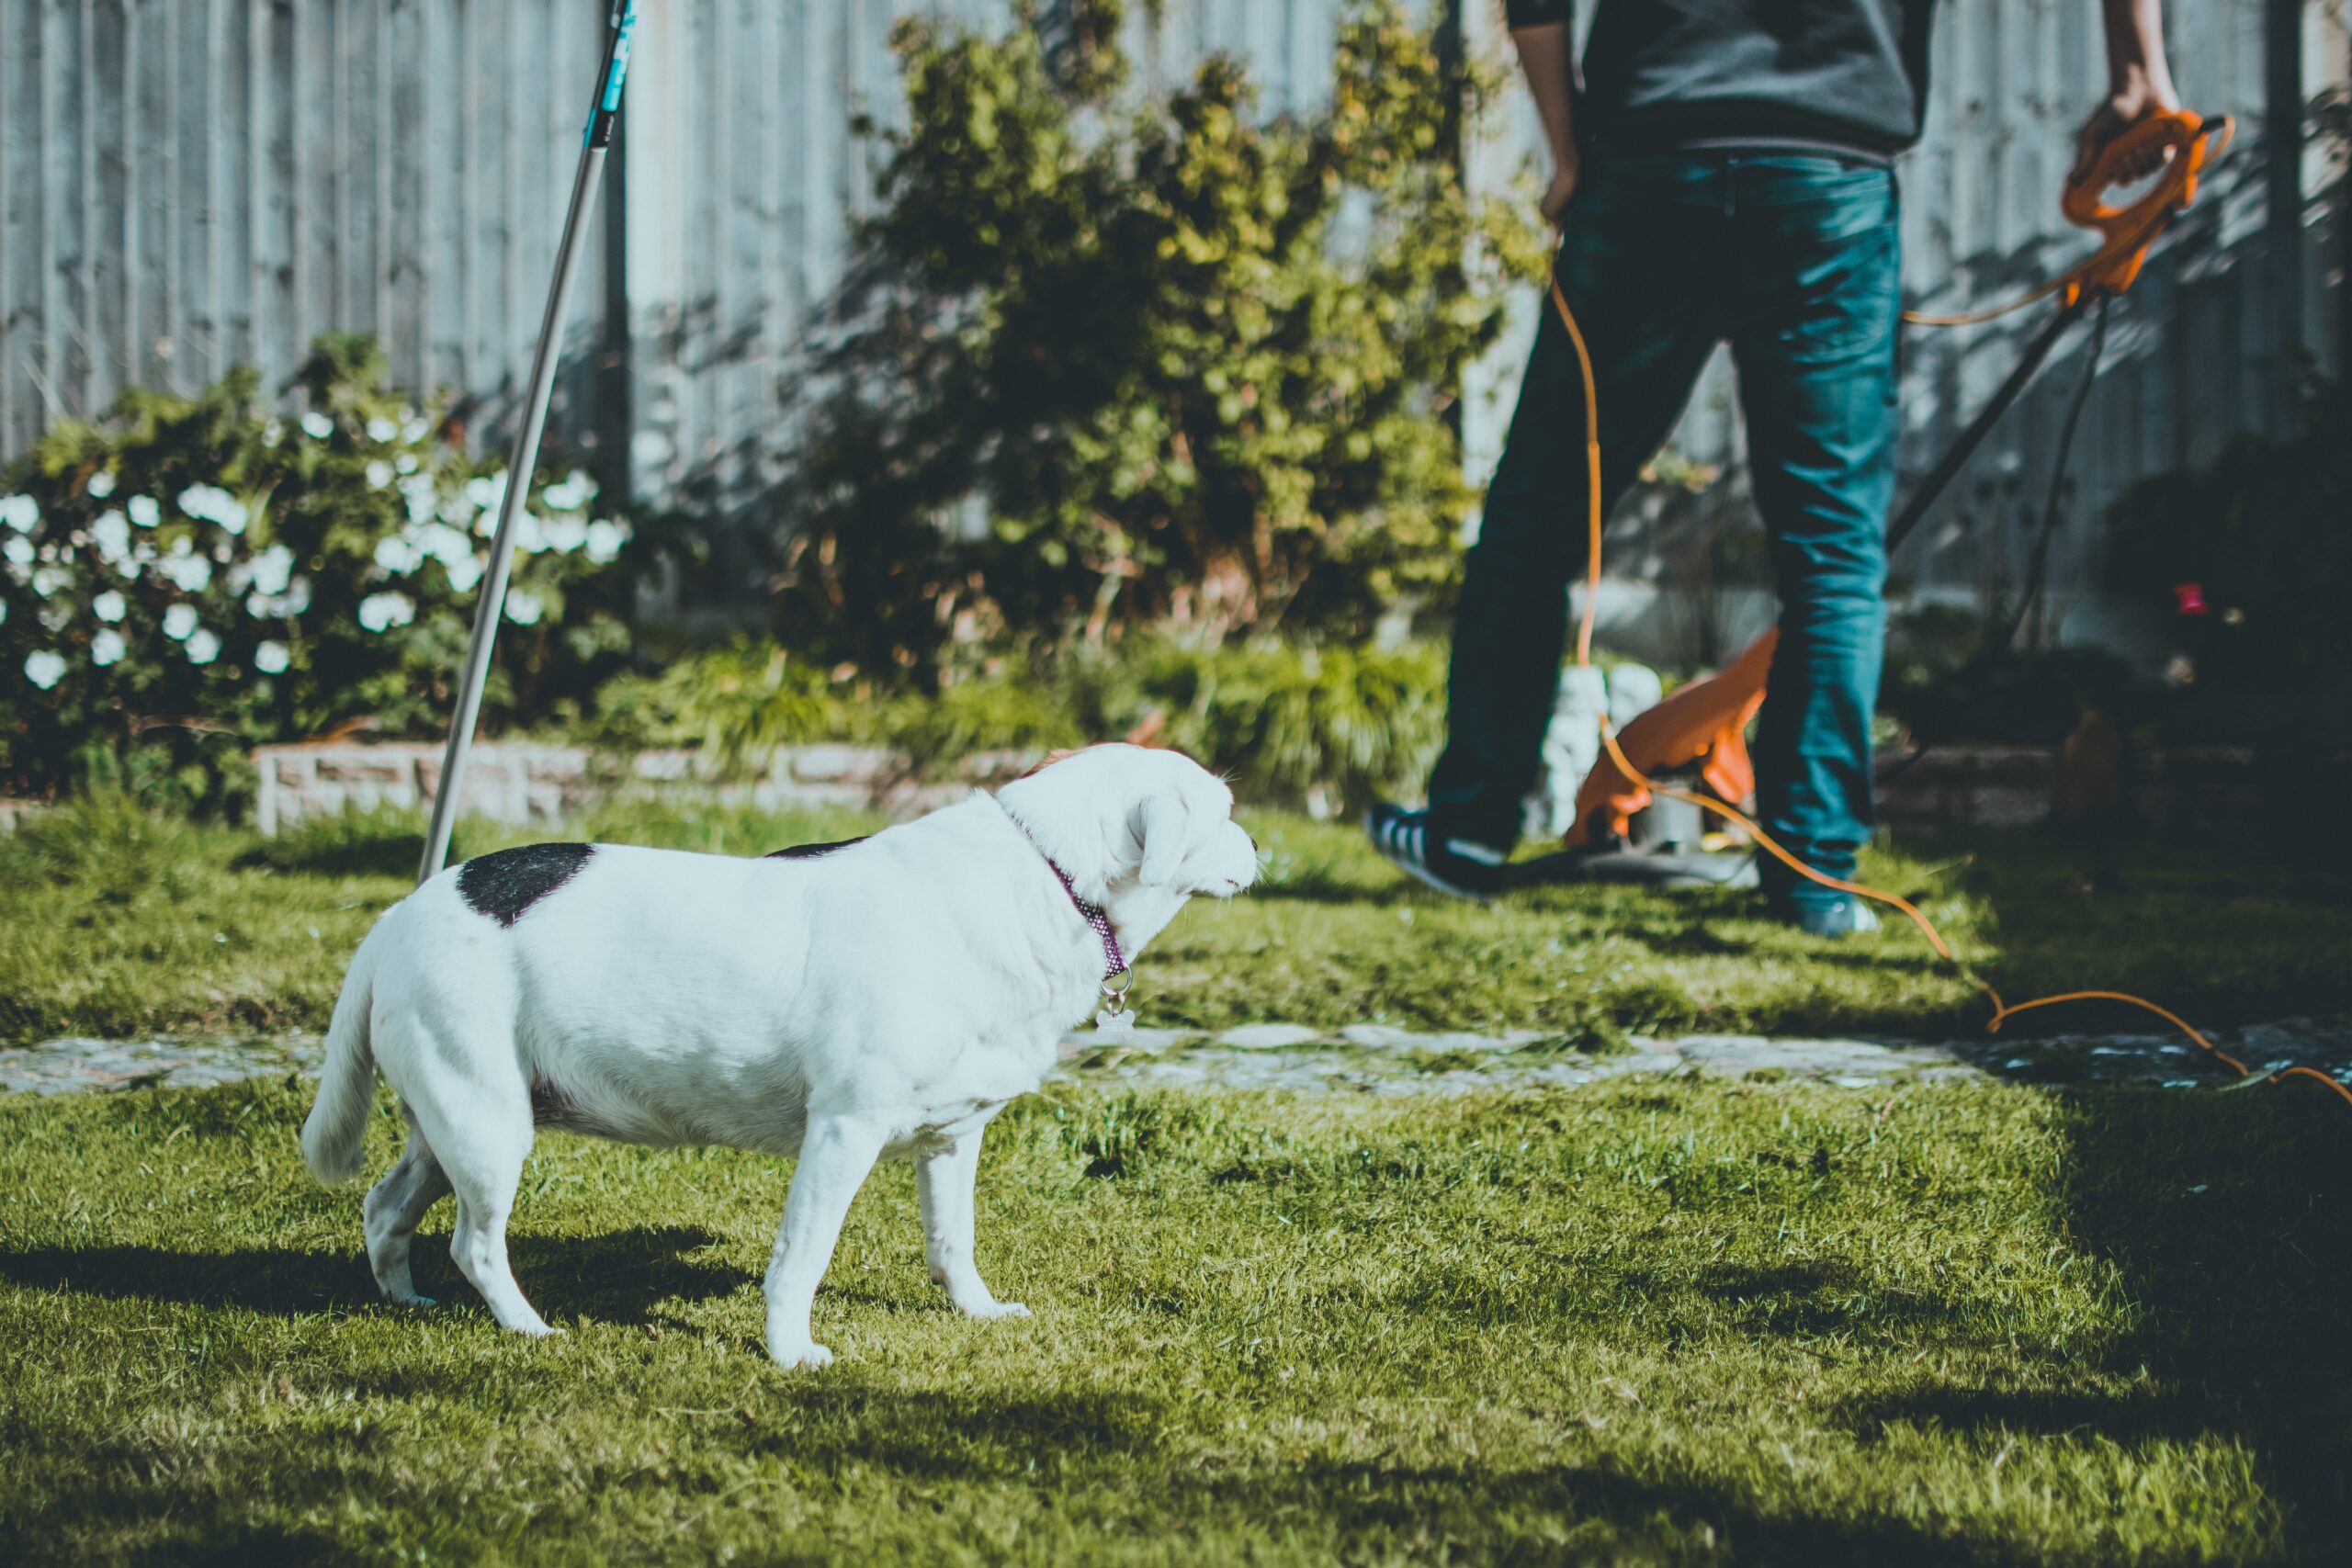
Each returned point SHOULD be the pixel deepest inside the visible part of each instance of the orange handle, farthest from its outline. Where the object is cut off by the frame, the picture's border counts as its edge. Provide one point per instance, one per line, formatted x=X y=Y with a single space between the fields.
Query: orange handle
x=2180 y=133
x=2182 y=142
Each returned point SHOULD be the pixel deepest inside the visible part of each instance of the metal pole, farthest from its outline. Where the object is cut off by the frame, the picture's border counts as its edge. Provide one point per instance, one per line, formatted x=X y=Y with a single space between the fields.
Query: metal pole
x=524 y=457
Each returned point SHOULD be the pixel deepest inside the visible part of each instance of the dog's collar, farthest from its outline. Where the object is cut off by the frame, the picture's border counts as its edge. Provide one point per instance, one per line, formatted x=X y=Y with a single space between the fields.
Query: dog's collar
x=1115 y=958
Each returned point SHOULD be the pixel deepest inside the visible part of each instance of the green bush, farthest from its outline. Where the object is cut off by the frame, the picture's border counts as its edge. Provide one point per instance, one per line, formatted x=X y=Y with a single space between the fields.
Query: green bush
x=1287 y=723
x=734 y=706
x=2259 y=534
x=190 y=577
x=1143 y=365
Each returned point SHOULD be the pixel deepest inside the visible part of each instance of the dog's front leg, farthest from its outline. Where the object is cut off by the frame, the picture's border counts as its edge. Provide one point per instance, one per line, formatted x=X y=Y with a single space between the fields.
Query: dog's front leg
x=836 y=1153
x=944 y=1184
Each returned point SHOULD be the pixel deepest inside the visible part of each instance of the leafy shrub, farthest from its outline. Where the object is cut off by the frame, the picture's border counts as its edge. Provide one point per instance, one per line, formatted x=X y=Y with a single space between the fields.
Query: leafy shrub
x=1172 y=364
x=1285 y=722
x=735 y=704
x=2259 y=535
x=192 y=576
x=1946 y=686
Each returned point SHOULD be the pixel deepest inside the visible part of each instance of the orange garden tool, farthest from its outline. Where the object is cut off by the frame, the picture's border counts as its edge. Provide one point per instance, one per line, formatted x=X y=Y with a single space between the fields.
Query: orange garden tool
x=1702 y=726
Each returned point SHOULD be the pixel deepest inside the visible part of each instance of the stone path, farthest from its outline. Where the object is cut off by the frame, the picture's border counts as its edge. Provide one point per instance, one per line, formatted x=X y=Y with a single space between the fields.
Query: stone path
x=1374 y=1059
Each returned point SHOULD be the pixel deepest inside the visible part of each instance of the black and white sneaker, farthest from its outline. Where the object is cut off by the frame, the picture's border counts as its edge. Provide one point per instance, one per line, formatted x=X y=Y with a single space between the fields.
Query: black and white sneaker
x=1459 y=866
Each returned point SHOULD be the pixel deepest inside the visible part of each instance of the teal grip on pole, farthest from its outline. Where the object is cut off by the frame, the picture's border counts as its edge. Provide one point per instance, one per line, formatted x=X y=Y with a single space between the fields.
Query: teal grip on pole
x=607 y=107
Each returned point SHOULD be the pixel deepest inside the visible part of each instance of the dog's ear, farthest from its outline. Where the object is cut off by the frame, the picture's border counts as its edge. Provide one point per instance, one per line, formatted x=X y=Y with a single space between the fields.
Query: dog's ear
x=1162 y=826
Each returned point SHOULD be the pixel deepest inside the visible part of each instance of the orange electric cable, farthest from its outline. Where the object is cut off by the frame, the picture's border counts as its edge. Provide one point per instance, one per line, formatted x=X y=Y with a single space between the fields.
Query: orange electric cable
x=2194 y=142
x=2002 y=1011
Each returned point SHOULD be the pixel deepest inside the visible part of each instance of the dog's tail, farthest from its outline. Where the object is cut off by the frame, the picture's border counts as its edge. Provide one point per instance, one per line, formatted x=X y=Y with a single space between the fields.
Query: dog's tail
x=334 y=1136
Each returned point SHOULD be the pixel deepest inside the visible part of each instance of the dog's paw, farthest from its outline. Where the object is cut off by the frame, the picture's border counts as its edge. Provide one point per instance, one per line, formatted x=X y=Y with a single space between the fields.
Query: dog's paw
x=996 y=1309
x=795 y=1358
x=411 y=1300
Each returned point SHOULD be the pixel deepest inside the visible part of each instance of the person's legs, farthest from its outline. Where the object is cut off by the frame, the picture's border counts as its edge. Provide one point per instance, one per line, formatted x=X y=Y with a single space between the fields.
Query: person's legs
x=1819 y=297
x=1627 y=262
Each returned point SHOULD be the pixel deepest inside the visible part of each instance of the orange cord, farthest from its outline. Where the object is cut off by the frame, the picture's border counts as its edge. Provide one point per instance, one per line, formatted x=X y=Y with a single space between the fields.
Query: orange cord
x=2002 y=1011
x=2129 y=231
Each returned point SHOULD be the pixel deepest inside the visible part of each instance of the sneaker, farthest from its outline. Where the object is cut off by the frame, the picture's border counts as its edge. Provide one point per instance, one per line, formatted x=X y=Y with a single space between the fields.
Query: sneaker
x=1842 y=917
x=1462 y=867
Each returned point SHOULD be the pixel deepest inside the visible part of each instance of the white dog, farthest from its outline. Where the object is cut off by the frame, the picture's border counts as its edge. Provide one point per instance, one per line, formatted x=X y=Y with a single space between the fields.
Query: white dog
x=885 y=996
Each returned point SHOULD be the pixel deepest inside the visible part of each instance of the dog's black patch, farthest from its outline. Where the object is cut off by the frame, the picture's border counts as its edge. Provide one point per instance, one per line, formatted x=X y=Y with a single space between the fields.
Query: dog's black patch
x=810 y=852
x=505 y=886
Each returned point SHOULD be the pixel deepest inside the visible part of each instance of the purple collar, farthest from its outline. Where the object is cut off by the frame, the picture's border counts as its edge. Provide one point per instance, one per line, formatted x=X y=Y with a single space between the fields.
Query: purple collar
x=1115 y=959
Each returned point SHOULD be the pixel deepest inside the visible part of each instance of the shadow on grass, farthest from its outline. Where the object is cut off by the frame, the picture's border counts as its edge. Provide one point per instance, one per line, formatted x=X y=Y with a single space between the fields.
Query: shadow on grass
x=2226 y=1214
x=988 y=1438
x=622 y=1276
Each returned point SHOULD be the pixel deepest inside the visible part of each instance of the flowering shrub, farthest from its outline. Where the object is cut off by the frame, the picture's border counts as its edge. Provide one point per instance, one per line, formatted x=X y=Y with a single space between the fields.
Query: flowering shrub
x=193 y=576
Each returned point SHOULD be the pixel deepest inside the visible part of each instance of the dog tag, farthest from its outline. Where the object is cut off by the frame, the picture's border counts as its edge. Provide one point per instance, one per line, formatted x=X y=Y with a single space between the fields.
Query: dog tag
x=1119 y=1025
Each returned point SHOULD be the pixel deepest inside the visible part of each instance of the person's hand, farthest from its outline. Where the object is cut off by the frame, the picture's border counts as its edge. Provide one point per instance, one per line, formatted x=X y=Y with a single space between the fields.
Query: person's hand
x=2125 y=107
x=1563 y=186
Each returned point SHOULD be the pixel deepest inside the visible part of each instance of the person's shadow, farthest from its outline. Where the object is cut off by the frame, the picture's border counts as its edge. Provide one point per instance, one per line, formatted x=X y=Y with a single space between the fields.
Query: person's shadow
x=622 y=1276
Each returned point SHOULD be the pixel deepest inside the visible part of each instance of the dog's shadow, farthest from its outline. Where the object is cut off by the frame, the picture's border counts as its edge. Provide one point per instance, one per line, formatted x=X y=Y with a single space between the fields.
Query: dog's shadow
x=622 y=1276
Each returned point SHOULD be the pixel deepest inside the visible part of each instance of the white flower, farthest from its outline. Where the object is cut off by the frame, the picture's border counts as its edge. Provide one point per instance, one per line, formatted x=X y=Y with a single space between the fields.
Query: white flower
x=19 y=512
x=382 y=612
x=107 y=648
x=605 y=539
x=283 y=607
x=273 y=433
x=203 y=649
x=381 y=429
x=445 y=544
x=188 y=573
x=524 y=608
x=211 y=503
x=398 y=556
x=47 y=580
x=530 y=534
x=417 y=429
x=101 y=485
x=316 y=426
x=464 y=572
x=180 y=621
x=145 y=510
x=17 y=549
x=379 y=473
x=111 y=534
x=488 y=492
x=572 y=492
x=406 y=462
x=271 y=658
x=565 y=534
x=45 y=668
x=109 y=606
x=417 y=491
x=273 y=569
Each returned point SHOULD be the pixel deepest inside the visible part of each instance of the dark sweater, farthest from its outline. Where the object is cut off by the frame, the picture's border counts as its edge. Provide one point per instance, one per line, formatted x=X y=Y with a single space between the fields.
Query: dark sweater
x=1663 y=75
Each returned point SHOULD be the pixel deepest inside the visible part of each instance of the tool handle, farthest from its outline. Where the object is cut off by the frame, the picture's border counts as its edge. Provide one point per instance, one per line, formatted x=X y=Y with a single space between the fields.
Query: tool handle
x=2176 y=132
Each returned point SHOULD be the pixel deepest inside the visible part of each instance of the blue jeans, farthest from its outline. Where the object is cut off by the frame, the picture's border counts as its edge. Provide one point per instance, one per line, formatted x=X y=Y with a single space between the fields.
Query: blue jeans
x=1796 y=261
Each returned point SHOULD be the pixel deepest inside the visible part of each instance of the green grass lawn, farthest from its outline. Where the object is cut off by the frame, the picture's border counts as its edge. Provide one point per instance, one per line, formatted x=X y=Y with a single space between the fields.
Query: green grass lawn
x=120 y=924
x=1677 y=1322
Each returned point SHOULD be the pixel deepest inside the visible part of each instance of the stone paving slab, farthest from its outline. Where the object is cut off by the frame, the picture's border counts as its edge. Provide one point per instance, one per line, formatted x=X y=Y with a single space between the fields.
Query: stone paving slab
x=1374 y=1059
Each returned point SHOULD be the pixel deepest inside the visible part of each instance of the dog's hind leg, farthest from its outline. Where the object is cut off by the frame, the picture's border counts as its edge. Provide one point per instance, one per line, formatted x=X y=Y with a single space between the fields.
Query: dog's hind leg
x=943 y=1182
x=394 y=1206
x=477 y=1124
x=836 y=1155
